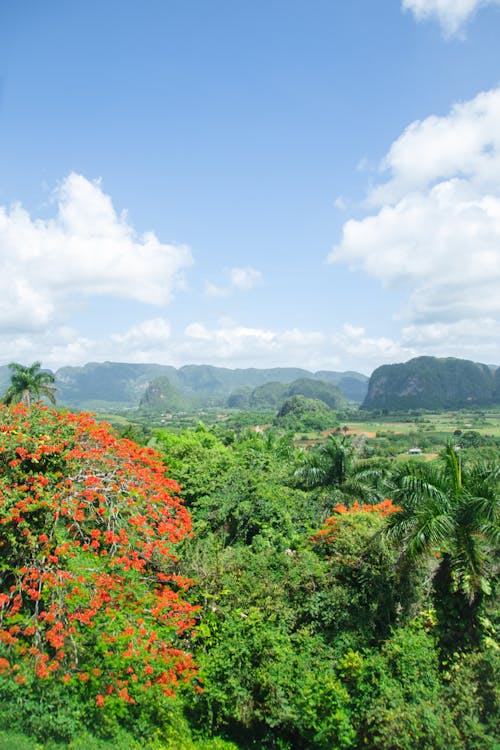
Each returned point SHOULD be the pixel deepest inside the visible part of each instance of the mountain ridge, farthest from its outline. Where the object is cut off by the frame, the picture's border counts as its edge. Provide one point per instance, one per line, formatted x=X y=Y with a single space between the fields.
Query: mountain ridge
x=123 y=384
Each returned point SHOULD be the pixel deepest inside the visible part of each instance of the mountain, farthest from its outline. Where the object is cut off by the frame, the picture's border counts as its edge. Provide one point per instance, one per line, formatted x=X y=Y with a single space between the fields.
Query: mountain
x=162 y=396
x=268 y=395
x=272 y=395
x=122 y=385
x=5 y=374
x=329 y=393
x=106 y=383
x=496 y=386
x=431 y=383
x=353 y=385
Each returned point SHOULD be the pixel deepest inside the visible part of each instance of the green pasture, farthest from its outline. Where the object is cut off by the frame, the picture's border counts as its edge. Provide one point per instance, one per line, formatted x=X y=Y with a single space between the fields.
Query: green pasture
x=485 y=422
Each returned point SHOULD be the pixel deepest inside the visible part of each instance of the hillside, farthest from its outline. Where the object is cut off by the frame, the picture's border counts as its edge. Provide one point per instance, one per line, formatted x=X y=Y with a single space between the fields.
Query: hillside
x=162 y=396
x=272 y=395
x=421 y=383
x=431 y=383
x=118 y=384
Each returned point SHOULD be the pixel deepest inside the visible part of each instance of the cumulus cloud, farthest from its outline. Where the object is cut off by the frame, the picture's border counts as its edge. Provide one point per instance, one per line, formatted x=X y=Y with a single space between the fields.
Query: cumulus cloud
x=54 y=347
x=244 y=346
x=356 y=345
x=86 y=249
x=239 y=279
x=212 y=290
x=227 y=344
x=147 y=341
x=244 y=278
x=451 y=14
x=464 y=144
x=436 y=229
x=148 y=334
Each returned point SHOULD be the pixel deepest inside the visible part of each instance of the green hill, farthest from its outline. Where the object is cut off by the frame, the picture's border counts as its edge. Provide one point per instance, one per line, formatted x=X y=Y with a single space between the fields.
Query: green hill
x=301 y=414
x=430 y=383
x=330 y=394
x=162 y=396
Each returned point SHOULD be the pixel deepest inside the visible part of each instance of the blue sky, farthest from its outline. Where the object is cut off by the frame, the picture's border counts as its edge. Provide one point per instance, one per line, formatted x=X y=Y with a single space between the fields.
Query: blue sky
x=256 y=183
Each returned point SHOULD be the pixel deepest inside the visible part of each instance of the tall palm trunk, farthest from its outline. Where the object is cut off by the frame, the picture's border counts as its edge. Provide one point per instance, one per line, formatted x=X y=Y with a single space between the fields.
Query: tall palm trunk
x=457 y=612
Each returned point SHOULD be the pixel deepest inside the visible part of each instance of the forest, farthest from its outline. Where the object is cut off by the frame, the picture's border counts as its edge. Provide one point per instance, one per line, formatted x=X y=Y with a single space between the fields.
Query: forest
x=221 y=587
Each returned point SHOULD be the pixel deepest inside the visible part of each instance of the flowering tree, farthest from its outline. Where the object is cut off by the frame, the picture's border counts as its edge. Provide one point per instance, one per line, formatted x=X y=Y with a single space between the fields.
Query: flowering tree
x=354 y=516
x=88 y=589
x=362 y=565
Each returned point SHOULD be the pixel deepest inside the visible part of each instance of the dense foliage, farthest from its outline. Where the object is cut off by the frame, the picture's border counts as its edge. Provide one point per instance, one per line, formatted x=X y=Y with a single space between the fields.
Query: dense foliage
x=91 y=601
x=316 y=632
x=320 y=623
x=301 y=414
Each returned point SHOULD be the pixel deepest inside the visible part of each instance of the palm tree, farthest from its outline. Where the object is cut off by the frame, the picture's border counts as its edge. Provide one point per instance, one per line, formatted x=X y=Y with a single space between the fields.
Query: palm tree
x=29 y=384
x=337 y=467
x=450 y=515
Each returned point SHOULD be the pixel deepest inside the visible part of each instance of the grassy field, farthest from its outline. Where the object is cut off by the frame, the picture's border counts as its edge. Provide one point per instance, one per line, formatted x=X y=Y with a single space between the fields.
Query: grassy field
x=486 y=423
x=395 y=436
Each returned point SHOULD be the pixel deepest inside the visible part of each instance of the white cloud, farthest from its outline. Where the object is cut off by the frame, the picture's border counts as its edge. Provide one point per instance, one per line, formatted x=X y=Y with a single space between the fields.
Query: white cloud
x=212 y=290
x=59 y=346
x=228 y=341
x=245 y=346
x=451 y=14
x=147 y=341
x=355 y=344
x=87 y=249
x=244 y=278
x=437 y=226
x=240 y=346
x=239 y=279
x=464 y=144
x=149 y=333
x=227 y=344
x=484 y=332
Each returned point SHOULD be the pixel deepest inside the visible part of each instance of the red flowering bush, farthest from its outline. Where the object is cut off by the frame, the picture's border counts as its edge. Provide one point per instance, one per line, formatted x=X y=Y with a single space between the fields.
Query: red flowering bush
x=362 y=566
x=88 y=590
x=356 y=513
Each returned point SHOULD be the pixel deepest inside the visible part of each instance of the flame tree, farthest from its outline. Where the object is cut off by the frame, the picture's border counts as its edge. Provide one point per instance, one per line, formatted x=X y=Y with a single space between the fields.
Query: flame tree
x=89 y=595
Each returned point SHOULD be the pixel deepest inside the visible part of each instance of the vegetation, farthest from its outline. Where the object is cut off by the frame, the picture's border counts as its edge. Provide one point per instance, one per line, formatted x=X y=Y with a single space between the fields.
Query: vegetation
x=330 y=639
x=162 y=396
x=301 y=414
x=321 y=593
x=451 y=512
x=336 y=466
x=91 y=603
x=430 y=383
x=29 y=384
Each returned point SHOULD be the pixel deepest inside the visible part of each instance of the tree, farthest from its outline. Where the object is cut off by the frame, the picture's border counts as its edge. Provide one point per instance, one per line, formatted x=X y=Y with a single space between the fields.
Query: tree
x=336 y=466
x=299 y=413
x=450 y=515
x=90 y=598
x=29 y=384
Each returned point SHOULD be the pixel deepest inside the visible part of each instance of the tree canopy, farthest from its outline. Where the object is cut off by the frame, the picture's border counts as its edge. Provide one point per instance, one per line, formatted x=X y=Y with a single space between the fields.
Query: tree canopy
x=29 y=384
x=89 y=591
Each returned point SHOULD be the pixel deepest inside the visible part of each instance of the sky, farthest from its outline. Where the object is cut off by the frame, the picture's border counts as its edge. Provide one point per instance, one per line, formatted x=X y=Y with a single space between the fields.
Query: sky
x=249 y=183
